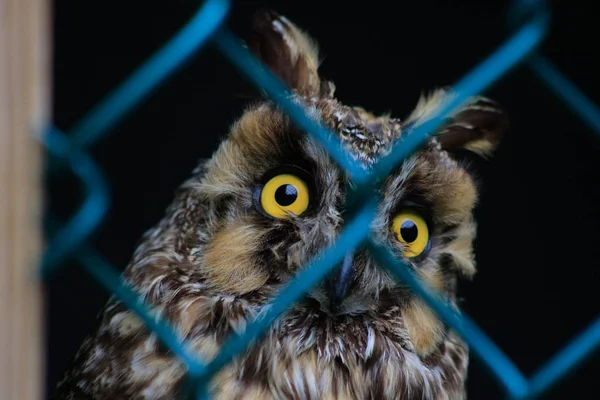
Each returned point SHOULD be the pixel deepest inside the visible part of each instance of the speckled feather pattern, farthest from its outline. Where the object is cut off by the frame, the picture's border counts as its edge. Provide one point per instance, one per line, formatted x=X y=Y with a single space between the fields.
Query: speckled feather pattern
x=212 y=264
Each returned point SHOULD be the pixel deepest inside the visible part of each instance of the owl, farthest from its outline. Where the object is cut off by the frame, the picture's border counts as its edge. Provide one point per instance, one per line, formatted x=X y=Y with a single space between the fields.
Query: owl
x=269 y=200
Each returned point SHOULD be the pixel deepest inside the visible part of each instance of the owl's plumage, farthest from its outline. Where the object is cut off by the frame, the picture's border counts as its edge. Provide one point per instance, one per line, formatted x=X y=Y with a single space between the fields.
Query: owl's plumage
x=217 y=257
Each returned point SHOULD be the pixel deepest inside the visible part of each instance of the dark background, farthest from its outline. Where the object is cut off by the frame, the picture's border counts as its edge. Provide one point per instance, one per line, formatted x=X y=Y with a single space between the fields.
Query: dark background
x=537 y=248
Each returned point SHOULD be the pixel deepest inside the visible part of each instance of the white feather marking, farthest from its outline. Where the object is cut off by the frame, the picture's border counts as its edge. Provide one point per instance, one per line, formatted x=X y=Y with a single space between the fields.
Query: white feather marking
x=370 y=343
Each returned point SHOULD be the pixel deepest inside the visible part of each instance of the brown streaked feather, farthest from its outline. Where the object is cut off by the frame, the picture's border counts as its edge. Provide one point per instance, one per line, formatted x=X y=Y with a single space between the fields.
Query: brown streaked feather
x=478 y=125
x=287 y=51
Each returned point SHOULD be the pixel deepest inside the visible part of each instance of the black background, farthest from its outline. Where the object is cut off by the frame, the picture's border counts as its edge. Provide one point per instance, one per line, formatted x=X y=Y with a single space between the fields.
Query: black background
x=538 y=246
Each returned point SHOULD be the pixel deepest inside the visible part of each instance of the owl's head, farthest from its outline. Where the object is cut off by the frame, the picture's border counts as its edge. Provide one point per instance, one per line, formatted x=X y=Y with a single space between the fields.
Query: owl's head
x=275 y=199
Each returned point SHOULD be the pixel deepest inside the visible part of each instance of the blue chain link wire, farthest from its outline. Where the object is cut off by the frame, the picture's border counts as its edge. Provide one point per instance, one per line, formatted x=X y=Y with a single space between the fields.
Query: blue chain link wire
x=529 y=22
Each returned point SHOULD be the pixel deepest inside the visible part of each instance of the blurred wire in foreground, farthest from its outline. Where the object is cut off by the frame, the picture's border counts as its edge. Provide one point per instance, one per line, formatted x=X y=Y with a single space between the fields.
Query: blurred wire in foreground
x=529 y=21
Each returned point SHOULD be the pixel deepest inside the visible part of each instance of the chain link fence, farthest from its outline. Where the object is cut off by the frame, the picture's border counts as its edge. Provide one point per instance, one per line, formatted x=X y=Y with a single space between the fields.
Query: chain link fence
x=529 y=23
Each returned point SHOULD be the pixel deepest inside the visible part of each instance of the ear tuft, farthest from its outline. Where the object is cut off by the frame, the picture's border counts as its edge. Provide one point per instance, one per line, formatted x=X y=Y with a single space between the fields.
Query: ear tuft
x=289 y=53
x=477 y=126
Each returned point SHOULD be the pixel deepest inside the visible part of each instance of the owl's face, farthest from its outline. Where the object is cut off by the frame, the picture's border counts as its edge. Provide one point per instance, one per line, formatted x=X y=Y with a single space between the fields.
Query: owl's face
x=277 y=198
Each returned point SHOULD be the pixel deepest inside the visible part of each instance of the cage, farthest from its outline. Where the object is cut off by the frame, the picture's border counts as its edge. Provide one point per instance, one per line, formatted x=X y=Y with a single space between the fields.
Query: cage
x=141 y=92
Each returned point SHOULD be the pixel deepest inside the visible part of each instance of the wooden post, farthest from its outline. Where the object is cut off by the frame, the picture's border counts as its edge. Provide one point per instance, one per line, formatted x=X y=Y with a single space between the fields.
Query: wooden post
x=25 y=51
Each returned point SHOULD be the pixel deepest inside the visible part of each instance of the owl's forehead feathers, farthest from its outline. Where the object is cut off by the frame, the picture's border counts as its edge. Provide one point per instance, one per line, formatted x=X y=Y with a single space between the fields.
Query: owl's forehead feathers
x=366 y=136
x=264 y=130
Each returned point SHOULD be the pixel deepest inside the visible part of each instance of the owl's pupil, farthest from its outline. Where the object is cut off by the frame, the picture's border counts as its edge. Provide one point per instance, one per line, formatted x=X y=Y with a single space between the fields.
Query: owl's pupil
x=286 y=195
x=409 y=231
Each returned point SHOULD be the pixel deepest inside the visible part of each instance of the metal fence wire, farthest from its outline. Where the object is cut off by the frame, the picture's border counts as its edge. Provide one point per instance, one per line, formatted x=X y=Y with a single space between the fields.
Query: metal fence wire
x=528 y=24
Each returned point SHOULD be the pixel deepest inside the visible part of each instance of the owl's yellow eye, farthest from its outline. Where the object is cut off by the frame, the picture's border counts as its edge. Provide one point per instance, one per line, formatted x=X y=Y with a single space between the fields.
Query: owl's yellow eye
x=284 y=193
x=411 y=229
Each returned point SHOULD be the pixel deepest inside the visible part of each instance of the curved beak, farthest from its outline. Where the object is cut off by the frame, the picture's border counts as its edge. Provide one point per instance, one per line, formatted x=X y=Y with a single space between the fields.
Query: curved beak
x=339 y=282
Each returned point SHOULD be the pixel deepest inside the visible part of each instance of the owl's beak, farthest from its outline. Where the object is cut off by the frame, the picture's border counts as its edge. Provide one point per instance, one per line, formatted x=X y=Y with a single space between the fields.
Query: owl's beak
x=339 y=282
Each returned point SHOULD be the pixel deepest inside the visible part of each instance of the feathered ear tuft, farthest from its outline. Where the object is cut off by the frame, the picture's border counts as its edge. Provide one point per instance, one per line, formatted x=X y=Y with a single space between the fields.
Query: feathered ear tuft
x=477 y=126
x=289 y=53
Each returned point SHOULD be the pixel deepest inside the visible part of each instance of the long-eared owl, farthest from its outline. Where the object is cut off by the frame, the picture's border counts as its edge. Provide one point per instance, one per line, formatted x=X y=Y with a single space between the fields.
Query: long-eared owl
x=268 y=201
